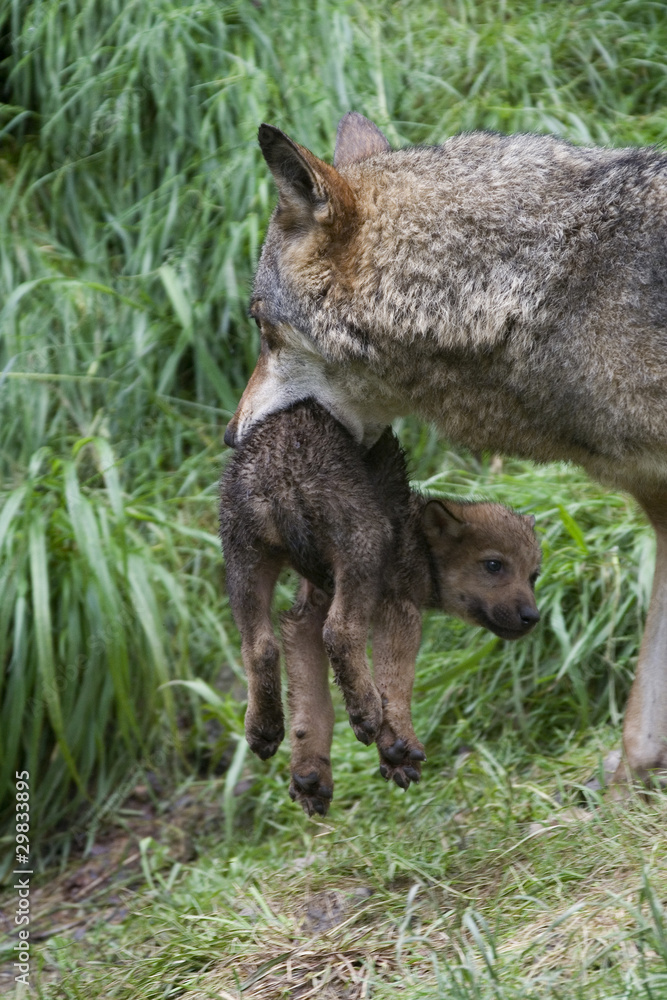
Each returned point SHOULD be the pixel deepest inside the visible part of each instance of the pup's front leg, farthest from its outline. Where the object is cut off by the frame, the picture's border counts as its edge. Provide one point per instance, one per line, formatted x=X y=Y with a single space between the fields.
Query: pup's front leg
x=396 y=638
x=345 y=635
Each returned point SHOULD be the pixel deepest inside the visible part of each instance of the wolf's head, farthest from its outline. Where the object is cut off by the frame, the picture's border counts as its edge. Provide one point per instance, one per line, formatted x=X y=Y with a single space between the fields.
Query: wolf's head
x=305 y=276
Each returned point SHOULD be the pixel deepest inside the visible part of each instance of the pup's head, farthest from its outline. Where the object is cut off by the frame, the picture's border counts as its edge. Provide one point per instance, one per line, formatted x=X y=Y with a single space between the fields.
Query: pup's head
x=307 y=259
x=487 y=558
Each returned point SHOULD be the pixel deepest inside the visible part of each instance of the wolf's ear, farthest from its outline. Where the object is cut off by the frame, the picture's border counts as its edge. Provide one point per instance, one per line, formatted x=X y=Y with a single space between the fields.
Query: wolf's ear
x=357 y=139
x=309 y=188
x=440 y=524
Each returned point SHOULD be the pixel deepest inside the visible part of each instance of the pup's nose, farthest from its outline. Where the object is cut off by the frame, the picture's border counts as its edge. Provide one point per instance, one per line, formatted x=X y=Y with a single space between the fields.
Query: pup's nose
x=230 y=437
x=529 y=616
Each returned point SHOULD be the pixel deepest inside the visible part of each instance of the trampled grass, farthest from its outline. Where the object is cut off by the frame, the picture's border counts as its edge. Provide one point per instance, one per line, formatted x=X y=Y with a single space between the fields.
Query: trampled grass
x=134 y=201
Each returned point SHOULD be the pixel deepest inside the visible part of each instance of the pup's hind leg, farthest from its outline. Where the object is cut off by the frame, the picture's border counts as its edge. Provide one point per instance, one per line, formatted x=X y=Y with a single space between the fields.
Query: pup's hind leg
x=311 y=709
x=396 y=638
x=345 y=636
x=645 y=723
x=250 y=592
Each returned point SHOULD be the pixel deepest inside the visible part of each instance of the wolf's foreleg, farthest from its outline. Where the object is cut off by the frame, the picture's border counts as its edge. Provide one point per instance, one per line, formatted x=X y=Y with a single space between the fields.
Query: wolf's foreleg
x=310 y=705
x=396 y=637
x=645 y=724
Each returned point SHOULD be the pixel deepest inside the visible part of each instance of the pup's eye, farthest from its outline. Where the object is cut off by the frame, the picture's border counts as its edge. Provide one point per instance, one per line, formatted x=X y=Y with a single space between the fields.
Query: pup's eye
x=533 y=579
x=493 y=565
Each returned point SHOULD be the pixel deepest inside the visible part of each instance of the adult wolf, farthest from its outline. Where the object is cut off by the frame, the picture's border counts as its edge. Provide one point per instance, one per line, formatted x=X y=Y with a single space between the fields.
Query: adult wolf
x=511 y=289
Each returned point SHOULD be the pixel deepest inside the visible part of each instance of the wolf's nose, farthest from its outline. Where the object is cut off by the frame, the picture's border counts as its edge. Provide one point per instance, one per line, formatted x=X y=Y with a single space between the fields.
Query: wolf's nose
x=230 y=437
x=528 y=615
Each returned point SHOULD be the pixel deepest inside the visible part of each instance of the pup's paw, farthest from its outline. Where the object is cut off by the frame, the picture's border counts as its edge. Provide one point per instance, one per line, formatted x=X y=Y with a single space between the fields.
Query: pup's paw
x=400 y=759
x=366 y=716
x=264 y=735
x=313 y=790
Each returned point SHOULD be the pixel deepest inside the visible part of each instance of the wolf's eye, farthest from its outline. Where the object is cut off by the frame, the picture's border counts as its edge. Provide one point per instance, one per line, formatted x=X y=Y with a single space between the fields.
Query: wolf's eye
x=533 y=579
x=493 y=565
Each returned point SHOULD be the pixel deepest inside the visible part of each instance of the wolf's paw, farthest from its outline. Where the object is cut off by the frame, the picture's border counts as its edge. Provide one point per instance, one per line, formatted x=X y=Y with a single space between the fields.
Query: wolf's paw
x=264 y=735
x=366 y=717
x=313 y=791
x=400 y=760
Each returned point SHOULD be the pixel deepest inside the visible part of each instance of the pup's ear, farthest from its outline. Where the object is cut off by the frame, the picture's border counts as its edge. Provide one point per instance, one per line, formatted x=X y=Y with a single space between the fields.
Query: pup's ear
x=310 y=189
x=440 y=524
x=531 y=520
x=357 y=139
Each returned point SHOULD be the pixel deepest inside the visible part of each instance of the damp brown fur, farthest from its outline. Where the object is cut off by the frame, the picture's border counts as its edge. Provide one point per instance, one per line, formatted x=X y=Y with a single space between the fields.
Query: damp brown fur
x=372 y=553
x=511 y=289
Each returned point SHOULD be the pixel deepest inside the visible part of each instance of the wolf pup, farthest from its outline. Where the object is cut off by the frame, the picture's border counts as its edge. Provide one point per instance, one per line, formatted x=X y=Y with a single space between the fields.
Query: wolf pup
x=371 y=552
x=512 y=289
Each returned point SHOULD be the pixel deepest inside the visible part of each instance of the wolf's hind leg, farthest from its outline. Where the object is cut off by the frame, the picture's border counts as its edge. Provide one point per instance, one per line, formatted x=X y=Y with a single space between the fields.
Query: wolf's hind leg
x=396 y=638
x=251 y=591
x=311 y=708
x=645 y=723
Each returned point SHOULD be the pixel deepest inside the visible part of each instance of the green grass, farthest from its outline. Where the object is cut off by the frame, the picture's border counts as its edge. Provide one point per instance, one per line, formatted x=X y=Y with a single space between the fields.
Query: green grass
x=133 y=204
x=474 y=885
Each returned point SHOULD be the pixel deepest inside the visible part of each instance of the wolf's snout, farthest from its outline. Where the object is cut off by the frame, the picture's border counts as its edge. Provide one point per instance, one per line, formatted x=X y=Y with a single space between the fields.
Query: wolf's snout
x=230 y=436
